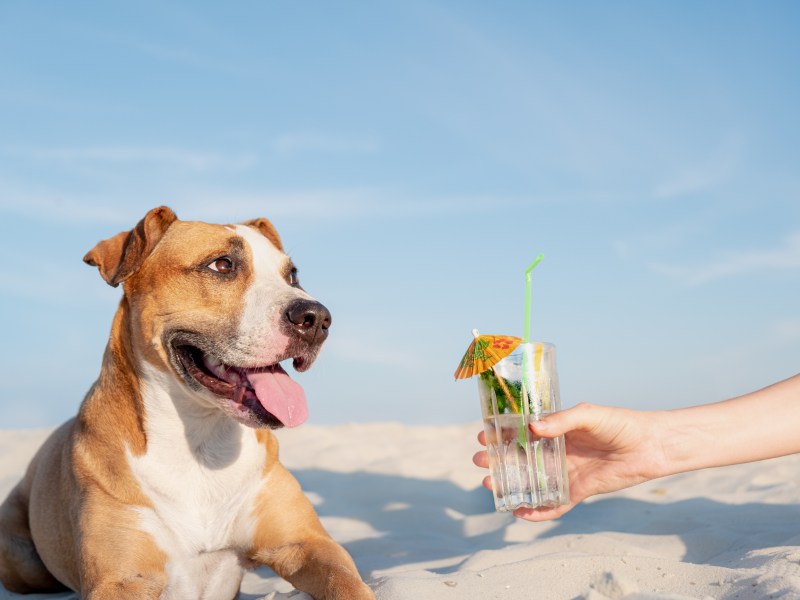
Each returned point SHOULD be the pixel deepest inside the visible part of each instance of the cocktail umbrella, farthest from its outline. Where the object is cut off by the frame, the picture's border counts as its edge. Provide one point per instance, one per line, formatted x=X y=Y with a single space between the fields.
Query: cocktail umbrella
x=483 y=354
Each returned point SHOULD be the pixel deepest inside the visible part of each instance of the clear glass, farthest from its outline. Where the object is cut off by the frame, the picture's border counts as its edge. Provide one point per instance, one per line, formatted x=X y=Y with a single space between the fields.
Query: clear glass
x=523 y=387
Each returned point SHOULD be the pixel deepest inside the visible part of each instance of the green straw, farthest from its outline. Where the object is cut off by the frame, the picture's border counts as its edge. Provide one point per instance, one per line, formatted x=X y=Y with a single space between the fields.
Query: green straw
x=541 y=477
x=526 y=334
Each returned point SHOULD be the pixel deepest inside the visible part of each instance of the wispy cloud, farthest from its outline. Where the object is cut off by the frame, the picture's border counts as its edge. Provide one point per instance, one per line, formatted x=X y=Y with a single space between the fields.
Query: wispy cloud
x=335 y=203
x=714 y=170
x=42 y=203
x=224 y=204
x=215 y=204
x=731 y=264
x=171 y=156
x=173 y=51
x=322 y=142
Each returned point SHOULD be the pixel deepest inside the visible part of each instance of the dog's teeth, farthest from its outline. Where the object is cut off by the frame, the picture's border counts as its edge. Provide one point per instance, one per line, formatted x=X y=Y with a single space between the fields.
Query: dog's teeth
x=216 y=366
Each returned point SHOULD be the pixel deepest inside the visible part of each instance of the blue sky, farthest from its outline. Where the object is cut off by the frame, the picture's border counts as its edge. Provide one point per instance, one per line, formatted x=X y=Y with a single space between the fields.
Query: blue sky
x=416 y=156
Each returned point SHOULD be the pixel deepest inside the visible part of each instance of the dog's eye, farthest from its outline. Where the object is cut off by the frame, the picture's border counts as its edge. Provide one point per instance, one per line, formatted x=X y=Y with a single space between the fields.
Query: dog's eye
x=293 y=278
x=222 y=265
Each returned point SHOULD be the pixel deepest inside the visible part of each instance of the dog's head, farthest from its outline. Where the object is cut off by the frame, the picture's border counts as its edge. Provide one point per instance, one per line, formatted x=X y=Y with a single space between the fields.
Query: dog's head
x=218 y=307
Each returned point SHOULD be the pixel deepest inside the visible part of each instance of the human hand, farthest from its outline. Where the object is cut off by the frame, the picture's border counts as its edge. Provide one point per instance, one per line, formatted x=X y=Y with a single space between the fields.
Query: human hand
x=607 y=449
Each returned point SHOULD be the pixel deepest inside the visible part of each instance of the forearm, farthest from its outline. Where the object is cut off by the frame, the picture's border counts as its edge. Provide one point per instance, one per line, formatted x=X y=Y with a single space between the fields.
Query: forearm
x=762 y=424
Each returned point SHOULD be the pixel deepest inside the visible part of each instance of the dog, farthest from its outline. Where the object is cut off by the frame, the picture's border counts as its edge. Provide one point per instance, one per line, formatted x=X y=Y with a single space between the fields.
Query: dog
x=167 y=483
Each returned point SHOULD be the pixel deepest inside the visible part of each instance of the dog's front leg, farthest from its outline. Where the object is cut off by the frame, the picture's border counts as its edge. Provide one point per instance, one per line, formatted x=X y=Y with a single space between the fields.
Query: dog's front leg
x=118 y=561
x=291 y=540
x=319 y=567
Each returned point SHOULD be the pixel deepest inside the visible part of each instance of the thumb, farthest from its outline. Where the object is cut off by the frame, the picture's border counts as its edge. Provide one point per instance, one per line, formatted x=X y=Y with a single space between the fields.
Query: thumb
x=583 y=416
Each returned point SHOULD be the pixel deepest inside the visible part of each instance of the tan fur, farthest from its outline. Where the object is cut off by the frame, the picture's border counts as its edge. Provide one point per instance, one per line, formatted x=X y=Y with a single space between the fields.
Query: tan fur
x=74 y=519
x=119 y=257
x=267 y=229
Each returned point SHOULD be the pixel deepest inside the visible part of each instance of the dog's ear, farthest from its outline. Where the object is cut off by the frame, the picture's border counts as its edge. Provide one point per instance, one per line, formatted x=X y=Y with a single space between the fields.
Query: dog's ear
x=119 y=257
x=268 y=231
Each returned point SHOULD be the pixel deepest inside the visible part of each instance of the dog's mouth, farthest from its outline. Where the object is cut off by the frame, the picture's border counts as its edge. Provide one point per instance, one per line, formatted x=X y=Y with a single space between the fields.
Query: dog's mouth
x=261 y=396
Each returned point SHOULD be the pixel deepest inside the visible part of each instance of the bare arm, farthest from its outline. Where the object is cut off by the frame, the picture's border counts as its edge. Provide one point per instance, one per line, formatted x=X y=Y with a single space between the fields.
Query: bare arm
x=759 y=425
x=612 y=448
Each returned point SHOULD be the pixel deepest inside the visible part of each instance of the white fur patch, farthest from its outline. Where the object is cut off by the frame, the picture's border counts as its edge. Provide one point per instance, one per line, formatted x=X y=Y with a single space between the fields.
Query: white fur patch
x=260 y=333
x=201 y=472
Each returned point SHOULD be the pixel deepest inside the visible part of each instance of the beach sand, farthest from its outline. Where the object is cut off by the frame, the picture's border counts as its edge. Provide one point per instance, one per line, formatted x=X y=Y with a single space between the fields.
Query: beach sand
x=407 y=504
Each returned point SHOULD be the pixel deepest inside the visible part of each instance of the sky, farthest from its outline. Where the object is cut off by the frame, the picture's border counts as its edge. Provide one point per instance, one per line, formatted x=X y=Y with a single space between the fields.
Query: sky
x=415 y=157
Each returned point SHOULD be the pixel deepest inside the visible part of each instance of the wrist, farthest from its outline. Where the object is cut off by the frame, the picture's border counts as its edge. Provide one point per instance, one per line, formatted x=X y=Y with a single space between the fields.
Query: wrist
x=679 y=440
x=668 y=444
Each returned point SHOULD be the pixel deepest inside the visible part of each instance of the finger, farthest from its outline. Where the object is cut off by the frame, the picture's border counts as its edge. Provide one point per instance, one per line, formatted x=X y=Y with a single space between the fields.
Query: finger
x=481 y=459
x=582 y=416
x=487 y=482
x=482 y=438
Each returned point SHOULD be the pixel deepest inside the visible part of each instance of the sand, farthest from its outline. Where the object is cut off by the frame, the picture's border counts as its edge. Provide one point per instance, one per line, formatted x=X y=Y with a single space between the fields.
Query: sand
x=407 y=504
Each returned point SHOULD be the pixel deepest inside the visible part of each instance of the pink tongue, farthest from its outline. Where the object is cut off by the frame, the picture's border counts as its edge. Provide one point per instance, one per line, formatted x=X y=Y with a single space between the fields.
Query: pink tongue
x=280 y=395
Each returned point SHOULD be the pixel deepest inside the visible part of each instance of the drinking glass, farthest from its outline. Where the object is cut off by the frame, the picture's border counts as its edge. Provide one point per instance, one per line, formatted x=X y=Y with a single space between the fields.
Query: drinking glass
x=521 y=388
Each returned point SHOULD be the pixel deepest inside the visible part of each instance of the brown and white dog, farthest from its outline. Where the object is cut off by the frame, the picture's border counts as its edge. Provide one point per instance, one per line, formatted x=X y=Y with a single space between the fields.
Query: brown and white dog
x=167 y=484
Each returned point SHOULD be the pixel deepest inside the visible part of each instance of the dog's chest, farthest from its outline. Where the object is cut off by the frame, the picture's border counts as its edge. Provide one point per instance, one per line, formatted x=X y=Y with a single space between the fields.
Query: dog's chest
x=206 y=508
x=201 y=470
x=203 y=497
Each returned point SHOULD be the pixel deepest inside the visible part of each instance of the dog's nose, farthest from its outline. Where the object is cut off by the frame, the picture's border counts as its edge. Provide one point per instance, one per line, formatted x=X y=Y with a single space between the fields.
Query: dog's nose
x=309 y=319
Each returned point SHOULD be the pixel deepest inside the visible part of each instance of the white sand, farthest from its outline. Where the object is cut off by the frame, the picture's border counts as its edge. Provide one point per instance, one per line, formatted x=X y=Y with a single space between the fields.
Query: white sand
x=407 y=503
